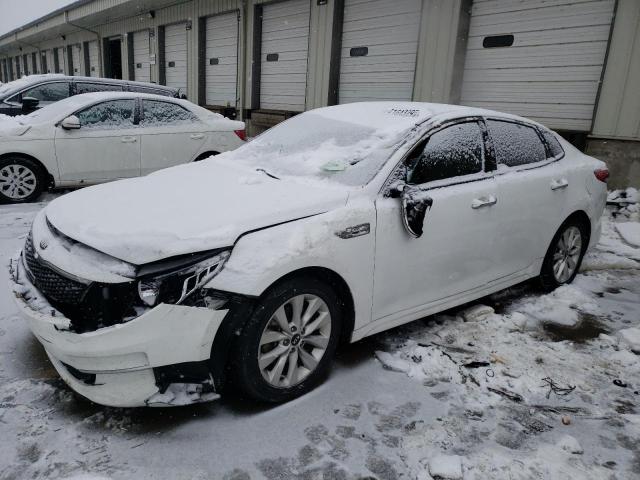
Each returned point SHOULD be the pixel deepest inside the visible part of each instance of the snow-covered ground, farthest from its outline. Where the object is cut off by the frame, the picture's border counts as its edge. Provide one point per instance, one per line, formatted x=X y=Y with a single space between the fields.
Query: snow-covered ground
x=520 y=385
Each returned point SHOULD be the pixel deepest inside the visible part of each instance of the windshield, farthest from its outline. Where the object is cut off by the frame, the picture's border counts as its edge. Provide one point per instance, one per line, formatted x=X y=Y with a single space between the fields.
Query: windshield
x=320 y=147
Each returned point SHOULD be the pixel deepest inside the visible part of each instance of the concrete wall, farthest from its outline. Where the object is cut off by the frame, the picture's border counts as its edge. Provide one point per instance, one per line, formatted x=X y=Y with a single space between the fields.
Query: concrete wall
x=622 y=158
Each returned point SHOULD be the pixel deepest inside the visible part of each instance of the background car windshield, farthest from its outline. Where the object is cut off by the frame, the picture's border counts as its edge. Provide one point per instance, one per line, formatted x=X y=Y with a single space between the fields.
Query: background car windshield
x=311 y=145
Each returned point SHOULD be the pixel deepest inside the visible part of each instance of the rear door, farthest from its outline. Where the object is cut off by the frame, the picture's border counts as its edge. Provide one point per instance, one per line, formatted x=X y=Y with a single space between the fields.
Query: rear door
x=170 y=135
x=533 y=190
x=105 y=147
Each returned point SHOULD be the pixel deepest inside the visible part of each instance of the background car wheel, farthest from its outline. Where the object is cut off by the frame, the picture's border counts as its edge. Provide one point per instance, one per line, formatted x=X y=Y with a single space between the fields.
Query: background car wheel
x=564 y=256
x=287 y=346
x=21 y=180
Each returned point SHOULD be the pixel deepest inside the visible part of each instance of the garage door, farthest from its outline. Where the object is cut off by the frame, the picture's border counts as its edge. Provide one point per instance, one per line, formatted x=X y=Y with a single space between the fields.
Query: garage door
x=283 y=63
x=221 y=60
x=17 y=67
x=76 y=58
x=94 y=59
x=175 y=56
x=541 y=59
x=141 y=63
x=379 y=47
x=50 y=62
x=59 y=60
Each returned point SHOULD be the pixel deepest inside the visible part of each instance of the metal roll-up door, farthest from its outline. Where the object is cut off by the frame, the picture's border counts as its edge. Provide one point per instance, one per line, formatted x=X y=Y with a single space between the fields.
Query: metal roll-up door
x=76 y=57
x=50 y=62
x=284 y=53
x=221 y=60
x=141 y=62
x=379 y=49
x=541 y=59
x=94 y=59
x=175 y=56
x=18 y=73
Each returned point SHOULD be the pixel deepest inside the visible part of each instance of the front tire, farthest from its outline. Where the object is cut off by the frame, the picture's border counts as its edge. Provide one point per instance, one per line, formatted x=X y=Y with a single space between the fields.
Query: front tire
x=564 y=256
x=21 y=180
x=287 y=346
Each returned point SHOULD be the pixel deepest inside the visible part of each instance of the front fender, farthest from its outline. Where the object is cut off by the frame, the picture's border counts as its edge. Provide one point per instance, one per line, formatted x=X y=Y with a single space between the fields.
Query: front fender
x=261 y=258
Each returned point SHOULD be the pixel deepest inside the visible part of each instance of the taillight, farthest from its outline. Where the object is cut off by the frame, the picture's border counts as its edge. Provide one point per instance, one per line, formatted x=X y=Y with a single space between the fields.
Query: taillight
x=601 y=174
x=242 y=134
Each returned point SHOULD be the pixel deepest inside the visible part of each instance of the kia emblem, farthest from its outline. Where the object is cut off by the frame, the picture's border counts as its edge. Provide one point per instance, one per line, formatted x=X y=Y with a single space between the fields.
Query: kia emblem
x=43 y=244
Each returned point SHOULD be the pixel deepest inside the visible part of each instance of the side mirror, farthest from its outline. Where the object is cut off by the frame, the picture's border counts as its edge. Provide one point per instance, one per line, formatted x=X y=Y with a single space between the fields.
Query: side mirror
x=415 y=204
x=29 y=104
x=70 y=123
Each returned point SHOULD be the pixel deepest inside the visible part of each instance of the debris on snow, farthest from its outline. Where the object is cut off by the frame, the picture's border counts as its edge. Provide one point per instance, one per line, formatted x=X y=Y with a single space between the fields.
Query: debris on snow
x=445 y=467
x=630 y=337
x=570 y=444
x=477 y=313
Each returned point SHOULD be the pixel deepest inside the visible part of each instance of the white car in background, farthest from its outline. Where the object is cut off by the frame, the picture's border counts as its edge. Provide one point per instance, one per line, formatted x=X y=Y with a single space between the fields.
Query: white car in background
x=339 y=223
x=97 y=137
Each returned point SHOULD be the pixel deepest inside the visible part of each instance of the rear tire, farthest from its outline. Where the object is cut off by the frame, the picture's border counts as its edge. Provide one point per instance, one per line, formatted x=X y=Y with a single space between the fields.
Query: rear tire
x=287 y=346
x=22 y=180
x=564 y=256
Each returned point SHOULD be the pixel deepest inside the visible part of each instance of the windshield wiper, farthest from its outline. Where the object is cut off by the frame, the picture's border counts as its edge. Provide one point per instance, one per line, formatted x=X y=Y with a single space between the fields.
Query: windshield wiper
x=266 y=173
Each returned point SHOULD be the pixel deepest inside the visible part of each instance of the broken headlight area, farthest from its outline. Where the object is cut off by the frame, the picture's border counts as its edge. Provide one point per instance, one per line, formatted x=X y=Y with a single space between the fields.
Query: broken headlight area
x=93 y=305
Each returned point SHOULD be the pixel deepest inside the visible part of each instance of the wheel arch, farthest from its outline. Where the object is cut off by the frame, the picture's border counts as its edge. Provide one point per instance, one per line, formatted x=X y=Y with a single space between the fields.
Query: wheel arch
x=206 y=154
x=49 y=178
x=581 y=217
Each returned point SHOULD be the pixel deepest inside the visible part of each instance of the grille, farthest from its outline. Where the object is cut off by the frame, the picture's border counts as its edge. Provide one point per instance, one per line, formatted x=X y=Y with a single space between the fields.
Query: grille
x=54 y=286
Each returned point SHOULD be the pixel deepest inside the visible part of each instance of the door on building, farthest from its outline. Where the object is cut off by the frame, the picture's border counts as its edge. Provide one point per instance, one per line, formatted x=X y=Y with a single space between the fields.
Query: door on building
x=379 y=50
x=284 y=53
x=175 y=56
x=113 y=57
x=141 y=52
x=92 y=57
x=25 y=64
x=50 y=62
x=18 y=75
x=76 y=60
x=221 y=60
x=34 y=63
x=44 y=62
x=540 y=60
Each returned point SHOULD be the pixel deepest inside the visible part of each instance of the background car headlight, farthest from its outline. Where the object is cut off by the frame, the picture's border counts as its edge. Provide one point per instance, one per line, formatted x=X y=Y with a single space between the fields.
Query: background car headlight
x=176 y=286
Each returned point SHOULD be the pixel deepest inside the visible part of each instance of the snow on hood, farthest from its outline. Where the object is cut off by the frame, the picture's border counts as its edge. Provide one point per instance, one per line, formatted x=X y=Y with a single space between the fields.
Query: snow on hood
x=185 y=209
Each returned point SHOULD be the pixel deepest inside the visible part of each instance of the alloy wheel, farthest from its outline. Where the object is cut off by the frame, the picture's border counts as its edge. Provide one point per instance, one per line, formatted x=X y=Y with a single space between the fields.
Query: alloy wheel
x=17 y=181
x=567 y=254
x=294 y=340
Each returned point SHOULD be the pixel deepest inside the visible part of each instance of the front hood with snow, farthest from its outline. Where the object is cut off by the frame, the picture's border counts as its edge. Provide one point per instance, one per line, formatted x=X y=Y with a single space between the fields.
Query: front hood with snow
x=185 y=209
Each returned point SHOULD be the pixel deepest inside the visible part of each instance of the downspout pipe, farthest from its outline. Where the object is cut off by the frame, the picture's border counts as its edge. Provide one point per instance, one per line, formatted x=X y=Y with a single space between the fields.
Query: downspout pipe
x=98 y=38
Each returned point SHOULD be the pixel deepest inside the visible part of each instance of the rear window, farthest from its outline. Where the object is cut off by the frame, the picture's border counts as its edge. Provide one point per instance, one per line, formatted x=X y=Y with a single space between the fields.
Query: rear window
x=89 y=87
x=516 y=144
x=555 y=150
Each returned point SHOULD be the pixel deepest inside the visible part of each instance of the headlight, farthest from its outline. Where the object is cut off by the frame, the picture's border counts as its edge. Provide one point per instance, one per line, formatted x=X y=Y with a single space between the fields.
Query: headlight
x=176 y=286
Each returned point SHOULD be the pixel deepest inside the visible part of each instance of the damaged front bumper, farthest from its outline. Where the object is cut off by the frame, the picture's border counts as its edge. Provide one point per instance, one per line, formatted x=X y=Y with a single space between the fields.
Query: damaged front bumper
x=157 y=359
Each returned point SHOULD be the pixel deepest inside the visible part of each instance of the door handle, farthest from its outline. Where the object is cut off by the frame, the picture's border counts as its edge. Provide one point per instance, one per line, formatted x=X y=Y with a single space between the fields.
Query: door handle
x=484 y=202
x=196 y=136
x=560 y=183
x=128 y=139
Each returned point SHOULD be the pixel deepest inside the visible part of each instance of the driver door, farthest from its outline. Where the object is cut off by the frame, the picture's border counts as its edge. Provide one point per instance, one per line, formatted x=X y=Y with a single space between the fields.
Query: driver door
x=105 y=147
x=455 y=253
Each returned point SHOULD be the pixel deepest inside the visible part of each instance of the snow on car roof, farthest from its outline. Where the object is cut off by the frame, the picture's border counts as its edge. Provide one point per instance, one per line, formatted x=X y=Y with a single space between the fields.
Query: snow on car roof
x=383 y=115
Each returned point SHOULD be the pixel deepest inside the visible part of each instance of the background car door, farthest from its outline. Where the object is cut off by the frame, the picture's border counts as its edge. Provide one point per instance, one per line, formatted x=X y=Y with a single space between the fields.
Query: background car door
x=456 y=250
x=105 y=147
x=533 y=192
x=171 y=135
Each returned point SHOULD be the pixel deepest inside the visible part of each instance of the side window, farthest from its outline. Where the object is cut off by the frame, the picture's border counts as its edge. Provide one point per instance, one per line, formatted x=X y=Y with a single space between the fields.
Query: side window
x=451 y=152
x=515 y=144
x=110 y=115
x=555 y=150
x=86 y=87
x=48 y=92
x=157 y=113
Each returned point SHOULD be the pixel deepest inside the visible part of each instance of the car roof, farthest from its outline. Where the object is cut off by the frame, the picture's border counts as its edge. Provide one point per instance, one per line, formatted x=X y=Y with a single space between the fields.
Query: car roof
x=386 y=114
x=28 y=80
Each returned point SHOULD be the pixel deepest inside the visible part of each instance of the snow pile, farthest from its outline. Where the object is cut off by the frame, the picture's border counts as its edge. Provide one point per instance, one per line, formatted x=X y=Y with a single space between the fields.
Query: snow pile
x=526 y=386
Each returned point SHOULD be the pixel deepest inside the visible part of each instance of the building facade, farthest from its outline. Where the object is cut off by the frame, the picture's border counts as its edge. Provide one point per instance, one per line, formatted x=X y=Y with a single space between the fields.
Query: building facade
x=573 y=65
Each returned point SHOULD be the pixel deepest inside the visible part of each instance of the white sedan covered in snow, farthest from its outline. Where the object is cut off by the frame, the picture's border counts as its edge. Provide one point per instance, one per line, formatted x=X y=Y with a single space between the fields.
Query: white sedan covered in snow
x=97 y=137
x=249 y=269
